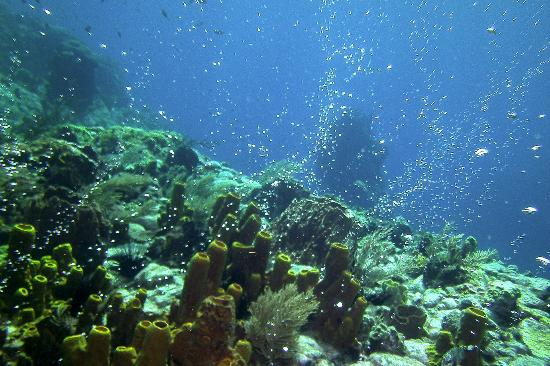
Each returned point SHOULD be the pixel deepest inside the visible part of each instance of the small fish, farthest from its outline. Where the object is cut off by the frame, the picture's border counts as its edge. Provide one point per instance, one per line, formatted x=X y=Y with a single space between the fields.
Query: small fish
x=88 y=29
x=542 y=260
x=481 y=152
x=164 y=13
x=119 y=34
x=492 y=30
x=512 y=115
x=529 y=210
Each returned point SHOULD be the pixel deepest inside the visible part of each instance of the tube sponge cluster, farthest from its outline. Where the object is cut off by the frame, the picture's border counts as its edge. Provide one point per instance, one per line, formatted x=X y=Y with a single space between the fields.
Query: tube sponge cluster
x=228 y=226
x=37 y=283
x=205 y=326
x=48 y=298
x=341 y=309
x=240 y=270
x=208 y=339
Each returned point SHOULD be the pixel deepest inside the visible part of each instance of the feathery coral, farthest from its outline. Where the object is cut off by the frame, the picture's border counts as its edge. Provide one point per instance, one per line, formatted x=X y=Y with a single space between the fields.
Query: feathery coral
x=275 y=319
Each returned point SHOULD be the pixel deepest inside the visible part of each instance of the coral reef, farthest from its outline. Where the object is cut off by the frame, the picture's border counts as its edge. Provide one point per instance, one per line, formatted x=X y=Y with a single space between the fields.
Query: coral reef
x=127 y=246
x=229 y=252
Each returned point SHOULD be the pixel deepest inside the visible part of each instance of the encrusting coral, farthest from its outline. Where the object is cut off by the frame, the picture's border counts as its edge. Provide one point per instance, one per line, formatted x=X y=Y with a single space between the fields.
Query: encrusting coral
x=409 y=320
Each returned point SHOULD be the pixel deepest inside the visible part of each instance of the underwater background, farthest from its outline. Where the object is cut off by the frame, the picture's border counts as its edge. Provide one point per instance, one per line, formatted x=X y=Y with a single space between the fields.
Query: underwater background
x=259 y=81
x=373 y=172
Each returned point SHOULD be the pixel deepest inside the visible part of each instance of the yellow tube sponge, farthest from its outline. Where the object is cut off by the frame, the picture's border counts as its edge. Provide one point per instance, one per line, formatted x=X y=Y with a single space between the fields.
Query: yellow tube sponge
x=21 y=297
x=73 y=350
x=124 y=356
x=244 y=348
x=228 y=229
x=241 y=259
x=99 y=346
x=217 y=252
x=39 y=289
x=20 y=243
x=154 y=351
x=195 y=286
x=336 y=262
x=473 y=325
x=249 y=229
x=63 y=254
x=262 y=247
x=26 y=315
x=253 y=286
x=236 y=291
x=139 y=334
x=225 y=204
x=141 y=295
x=280 y=271
x=90 y=312
x=49 y=269
x=21 y=240
x=251 y=209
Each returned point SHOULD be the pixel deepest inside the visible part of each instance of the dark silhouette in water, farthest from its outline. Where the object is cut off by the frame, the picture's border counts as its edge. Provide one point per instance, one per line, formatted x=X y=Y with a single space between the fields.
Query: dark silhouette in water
x=350 y=161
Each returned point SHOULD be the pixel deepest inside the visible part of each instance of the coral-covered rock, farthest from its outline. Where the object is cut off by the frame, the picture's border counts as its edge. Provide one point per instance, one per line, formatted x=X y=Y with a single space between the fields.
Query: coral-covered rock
x=185 y=156
x=503 y=302
x=384 y=338
x=308 y=226
x=275 y=196
x=535 y=335
x=66 y=164
x=409 y=320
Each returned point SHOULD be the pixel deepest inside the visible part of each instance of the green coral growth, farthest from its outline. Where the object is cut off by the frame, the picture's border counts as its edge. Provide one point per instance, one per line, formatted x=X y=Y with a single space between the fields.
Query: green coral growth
x=535 y=334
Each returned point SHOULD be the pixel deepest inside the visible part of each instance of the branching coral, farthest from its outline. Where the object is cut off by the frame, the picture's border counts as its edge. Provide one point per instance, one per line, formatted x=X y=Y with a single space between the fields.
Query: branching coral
x=474 y=259
x=451 y=258
x=275 y=319
x=371 y=255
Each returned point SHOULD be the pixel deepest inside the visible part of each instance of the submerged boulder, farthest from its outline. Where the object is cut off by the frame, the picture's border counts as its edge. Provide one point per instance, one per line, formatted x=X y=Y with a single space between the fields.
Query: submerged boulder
x=350 y=161
x=309 y=225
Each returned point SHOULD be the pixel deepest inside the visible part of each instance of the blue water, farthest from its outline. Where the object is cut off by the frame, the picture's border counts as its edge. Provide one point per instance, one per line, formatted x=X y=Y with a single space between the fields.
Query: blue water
x=261 y=79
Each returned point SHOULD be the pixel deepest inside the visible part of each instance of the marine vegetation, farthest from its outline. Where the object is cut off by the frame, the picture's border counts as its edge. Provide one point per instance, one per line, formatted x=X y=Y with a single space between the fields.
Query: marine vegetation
x=282 y=314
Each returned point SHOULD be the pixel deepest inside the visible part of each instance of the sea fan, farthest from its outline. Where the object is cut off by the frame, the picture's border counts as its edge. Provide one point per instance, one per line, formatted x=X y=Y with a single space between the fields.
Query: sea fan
x=475 y=259
x=275 y=319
